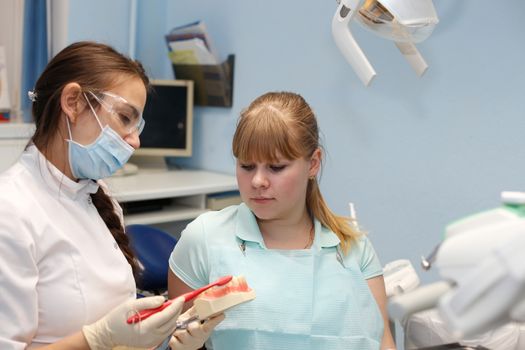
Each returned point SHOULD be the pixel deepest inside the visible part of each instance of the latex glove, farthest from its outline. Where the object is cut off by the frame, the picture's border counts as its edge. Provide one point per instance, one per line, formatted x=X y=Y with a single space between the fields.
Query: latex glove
x=196 y=334
x=113 y=329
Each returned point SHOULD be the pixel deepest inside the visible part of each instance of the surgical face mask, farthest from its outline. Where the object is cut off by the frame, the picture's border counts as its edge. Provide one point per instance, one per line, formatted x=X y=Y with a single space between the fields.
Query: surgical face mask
x=100 y=159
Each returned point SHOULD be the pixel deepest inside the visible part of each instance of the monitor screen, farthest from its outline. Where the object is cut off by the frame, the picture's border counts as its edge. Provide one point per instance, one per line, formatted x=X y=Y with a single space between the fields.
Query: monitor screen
x=169 y=119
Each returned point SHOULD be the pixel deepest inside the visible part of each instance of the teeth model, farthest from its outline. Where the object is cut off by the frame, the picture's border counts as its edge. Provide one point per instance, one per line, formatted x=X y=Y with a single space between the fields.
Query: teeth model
x=221 y=298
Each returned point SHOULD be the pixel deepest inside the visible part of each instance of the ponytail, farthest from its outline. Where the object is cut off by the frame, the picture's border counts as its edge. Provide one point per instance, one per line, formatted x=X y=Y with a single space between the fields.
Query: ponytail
x=337 y=224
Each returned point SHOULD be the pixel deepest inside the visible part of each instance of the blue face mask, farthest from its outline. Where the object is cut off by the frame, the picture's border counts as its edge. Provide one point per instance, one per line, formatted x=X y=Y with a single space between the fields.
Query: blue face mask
x=100 y=159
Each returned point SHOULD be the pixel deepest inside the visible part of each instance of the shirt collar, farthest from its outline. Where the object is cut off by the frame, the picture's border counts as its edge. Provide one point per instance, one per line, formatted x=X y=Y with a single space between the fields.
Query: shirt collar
x=57 y=181
x=324 y=237
x=247 y=230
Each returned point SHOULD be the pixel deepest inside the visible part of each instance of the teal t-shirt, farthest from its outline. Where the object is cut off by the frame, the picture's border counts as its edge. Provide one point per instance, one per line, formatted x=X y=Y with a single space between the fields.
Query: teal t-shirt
x=314 y=298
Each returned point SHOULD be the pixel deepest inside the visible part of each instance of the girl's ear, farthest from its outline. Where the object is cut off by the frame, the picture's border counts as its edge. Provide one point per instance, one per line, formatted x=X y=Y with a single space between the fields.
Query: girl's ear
x=315 y=163
x=71 y=101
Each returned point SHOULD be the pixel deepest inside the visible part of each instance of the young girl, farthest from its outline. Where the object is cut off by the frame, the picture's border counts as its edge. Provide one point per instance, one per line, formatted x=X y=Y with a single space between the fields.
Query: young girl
x=66 y=266
x=318 y=281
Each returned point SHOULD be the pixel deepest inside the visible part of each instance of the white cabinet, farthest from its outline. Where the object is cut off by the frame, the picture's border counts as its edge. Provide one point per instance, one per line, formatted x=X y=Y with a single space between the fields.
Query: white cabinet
x=167 y=195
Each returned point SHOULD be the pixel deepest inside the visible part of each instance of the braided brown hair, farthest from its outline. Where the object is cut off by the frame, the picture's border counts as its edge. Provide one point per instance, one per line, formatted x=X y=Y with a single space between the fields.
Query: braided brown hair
x=106 y=210
x=95 y=67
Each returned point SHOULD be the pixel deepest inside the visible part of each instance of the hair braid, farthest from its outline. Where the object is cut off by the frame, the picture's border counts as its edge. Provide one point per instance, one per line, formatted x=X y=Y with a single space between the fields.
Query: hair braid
x=106 y=210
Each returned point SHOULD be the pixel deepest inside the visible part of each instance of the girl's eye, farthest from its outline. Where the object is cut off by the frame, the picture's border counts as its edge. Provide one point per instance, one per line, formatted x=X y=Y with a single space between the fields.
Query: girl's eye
x=247 y=167
x=277 y=168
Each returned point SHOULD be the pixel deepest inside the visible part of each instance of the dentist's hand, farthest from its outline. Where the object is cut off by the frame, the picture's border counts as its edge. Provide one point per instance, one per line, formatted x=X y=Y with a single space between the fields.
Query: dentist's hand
x=194 y=337
x=113 y=330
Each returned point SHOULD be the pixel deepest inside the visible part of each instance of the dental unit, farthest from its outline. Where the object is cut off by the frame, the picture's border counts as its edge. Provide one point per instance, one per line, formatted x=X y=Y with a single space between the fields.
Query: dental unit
x=482 y=268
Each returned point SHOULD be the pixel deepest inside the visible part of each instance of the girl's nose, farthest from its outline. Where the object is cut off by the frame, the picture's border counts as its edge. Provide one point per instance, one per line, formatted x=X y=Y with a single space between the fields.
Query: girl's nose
x=259 y=179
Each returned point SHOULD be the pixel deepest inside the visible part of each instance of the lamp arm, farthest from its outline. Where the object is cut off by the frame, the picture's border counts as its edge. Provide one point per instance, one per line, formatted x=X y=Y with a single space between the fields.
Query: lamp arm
x=413 y=56
x=347 y=44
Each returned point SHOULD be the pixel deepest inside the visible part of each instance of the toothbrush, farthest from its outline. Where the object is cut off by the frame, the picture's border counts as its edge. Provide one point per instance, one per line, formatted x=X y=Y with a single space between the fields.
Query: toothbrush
x=143 y=314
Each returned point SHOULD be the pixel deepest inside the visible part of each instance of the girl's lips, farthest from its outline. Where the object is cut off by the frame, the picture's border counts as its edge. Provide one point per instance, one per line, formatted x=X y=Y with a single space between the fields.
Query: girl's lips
x=261 y=200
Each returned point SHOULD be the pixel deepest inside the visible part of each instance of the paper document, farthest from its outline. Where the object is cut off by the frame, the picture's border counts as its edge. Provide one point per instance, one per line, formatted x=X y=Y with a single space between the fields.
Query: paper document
x=191 y=51
x=191 y=44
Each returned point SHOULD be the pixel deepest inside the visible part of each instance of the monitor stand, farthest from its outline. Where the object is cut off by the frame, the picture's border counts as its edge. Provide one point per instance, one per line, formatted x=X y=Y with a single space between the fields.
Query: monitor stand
x=149 y=162
x=127 y=169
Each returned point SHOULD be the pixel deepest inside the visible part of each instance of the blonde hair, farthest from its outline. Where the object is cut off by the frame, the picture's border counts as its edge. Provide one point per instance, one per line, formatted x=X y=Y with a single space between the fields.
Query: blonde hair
x=283 y=124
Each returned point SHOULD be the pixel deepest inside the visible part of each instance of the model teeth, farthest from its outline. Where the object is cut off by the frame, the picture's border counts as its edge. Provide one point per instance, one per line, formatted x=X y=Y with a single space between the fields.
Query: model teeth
x=234 y=282
x=236 y=285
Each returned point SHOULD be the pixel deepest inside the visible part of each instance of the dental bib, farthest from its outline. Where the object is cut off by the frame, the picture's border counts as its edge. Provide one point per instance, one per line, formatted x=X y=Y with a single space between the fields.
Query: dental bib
x=317 y=304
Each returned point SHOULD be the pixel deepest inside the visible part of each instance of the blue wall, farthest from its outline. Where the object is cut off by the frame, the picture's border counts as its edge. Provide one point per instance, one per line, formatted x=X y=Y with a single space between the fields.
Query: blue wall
x=413 y=154
x=104 y=21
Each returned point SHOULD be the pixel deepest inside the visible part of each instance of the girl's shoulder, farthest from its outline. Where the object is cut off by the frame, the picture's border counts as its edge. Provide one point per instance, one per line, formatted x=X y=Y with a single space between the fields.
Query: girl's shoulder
x=221 y=217
x=213 y=225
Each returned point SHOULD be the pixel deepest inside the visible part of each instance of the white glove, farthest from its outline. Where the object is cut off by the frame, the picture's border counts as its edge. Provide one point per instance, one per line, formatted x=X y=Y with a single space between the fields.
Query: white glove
x=193 y=337
x=113 y=329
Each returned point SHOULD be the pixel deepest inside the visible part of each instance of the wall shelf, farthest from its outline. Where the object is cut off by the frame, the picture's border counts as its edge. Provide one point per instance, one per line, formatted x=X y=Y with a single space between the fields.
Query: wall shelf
x=183 y=193
x=213 y=83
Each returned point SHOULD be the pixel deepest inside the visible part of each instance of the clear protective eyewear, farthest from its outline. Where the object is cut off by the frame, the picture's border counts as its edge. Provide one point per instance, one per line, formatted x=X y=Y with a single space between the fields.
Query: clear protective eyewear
x=126 y=116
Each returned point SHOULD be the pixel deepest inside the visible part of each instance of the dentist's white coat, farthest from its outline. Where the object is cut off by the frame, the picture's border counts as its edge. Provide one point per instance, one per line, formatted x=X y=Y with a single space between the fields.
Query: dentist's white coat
x=60 y=267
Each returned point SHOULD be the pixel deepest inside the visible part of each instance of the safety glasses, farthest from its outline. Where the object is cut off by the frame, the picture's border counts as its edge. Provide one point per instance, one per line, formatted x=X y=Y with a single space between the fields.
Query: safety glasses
x=126 y=117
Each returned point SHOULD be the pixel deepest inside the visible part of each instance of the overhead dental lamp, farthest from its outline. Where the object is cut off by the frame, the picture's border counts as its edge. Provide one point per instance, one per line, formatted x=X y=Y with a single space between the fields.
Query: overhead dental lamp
x=406 y=22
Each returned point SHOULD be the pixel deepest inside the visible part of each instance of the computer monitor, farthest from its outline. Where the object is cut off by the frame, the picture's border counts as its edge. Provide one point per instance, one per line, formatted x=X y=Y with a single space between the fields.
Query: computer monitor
x=169 y=122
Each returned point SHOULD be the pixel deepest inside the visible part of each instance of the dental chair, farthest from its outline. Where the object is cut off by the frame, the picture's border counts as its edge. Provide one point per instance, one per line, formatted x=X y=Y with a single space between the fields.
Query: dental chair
x=152 y=248
x=480 y=298
x=426 y=329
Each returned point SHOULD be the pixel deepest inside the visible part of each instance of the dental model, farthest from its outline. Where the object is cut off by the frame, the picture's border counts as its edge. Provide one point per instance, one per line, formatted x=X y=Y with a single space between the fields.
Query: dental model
x=216 y=297
x=221 y=298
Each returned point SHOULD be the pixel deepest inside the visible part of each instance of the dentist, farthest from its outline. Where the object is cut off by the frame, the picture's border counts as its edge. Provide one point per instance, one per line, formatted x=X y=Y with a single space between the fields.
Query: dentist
x=66 y=266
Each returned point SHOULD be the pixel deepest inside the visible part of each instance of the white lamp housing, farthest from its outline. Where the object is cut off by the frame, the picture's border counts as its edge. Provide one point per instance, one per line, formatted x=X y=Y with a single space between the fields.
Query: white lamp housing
x=403 y=21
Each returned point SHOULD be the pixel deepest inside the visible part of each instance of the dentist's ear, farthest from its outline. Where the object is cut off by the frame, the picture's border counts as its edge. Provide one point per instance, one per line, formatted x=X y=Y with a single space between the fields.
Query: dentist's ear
x=71 y=101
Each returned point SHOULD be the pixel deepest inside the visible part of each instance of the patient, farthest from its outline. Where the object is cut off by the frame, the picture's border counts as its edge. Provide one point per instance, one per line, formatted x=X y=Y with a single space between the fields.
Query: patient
x=318 y=281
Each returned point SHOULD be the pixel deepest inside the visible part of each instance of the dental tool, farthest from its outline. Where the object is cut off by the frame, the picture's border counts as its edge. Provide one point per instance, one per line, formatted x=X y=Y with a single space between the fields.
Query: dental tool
x=353 y=215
